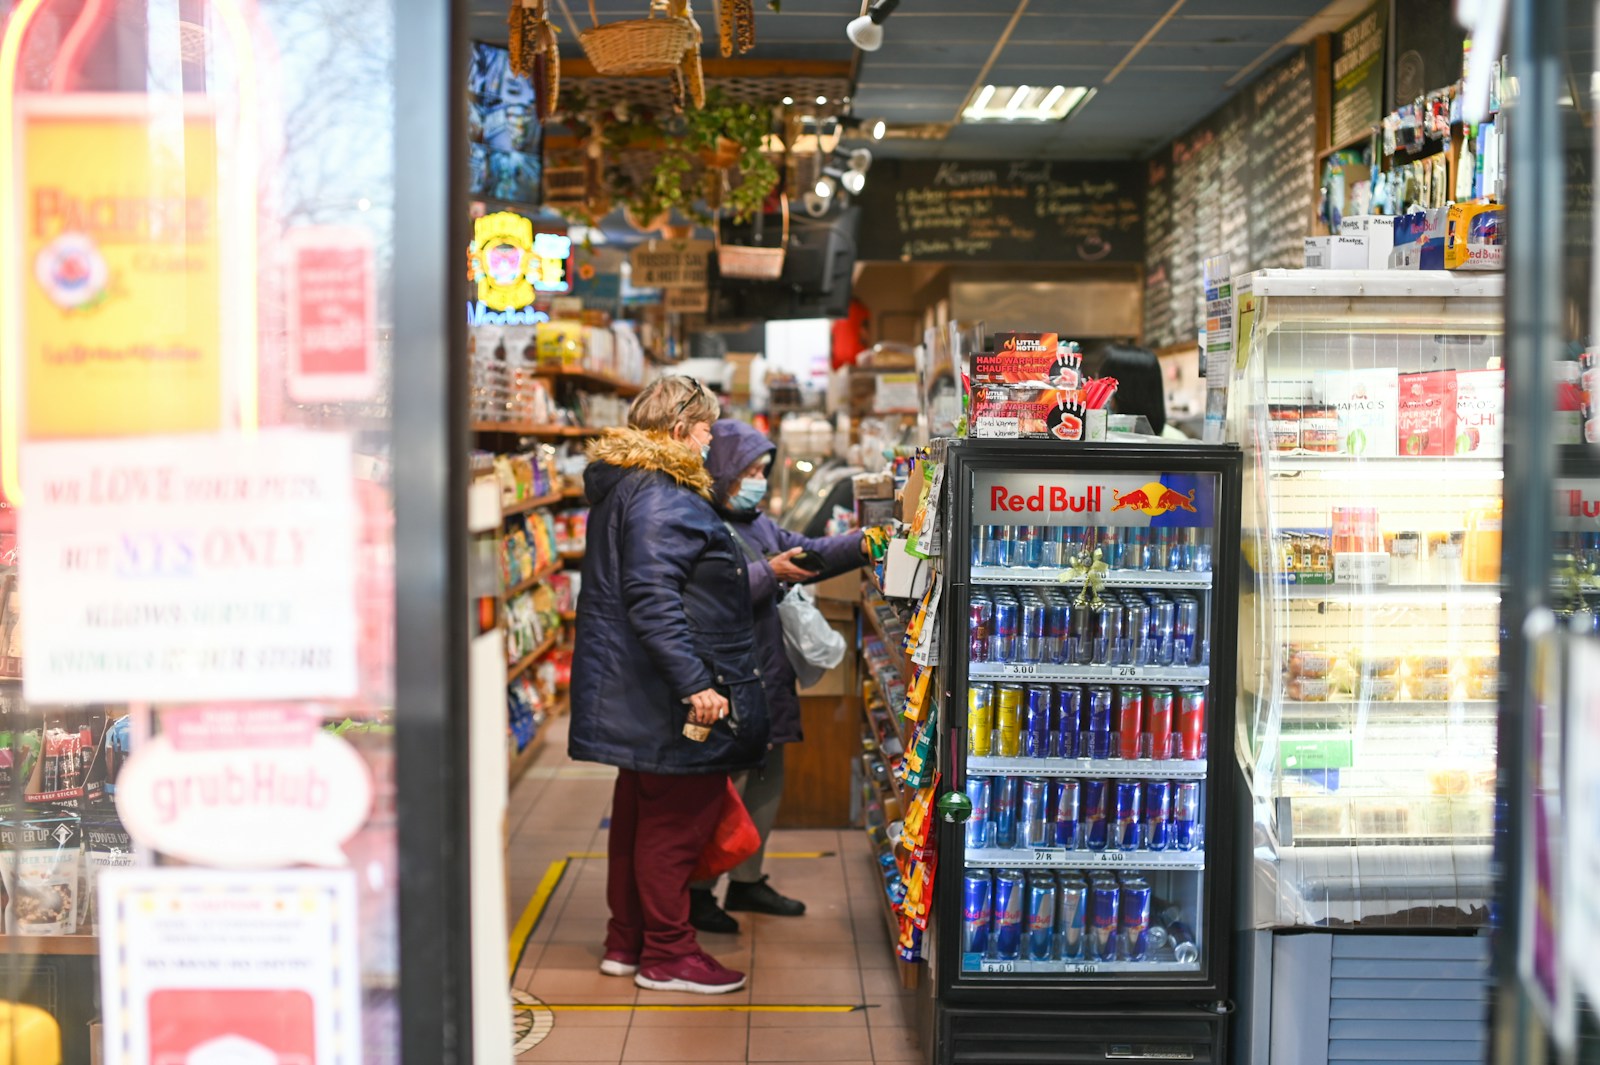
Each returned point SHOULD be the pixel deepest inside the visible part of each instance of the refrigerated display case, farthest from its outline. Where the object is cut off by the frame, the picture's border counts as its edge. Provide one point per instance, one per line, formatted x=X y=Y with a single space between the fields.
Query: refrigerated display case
x=1087 y=668
x=1370 y=410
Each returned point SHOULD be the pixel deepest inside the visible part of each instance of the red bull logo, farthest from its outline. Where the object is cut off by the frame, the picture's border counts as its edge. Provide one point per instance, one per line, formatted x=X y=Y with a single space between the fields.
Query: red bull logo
x=1154 y=499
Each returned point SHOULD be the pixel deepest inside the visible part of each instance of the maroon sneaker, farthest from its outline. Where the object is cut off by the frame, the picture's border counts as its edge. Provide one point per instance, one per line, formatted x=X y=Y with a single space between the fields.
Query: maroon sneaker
x=619 y=963
x=699 y=973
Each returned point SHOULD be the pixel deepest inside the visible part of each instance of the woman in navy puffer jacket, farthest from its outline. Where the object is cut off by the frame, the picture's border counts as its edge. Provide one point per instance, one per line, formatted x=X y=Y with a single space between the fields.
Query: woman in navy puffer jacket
x=663 y=642
x=738 y=463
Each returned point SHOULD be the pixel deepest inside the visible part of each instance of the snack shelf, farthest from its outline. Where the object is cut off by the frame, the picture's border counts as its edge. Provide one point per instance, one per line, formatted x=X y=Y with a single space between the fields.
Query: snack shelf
x=523 y=506
x=521 y=760
x=877 y=676
x=889 y=762
x=1061 y=858
x=536 y=429
x=1046 y=671
x=1117 y=578
x=972 y=963
x=625 y=389
x=68 y=946
x=908 y=971
x=539 y=575
x=1108 y=768
x=544 y=648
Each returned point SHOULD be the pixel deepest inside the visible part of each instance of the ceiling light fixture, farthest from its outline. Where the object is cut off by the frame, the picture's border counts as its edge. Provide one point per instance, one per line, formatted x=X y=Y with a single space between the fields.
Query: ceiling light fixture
x=984 y=96
x=879 y=128
x=1025 y=103
x=854 y=181
x=825 y=186
x=788 y=101
x=866 y=32
x=821 y=100
x=1019 y=94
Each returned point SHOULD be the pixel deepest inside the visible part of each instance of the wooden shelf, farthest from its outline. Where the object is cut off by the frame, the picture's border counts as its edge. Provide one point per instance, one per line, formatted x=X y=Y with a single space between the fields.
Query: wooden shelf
x=524 y=664
x=539 y=575
x=79 y=946
x=575 y=492
x=625 y=389
x=521 y=760
x=536 y=429
x=531 y=504
x=573 y=554
x=909 y=972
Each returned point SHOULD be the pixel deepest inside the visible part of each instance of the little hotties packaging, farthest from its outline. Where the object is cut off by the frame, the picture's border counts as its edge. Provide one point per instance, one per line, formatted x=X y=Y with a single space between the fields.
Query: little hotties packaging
x=1029 y=389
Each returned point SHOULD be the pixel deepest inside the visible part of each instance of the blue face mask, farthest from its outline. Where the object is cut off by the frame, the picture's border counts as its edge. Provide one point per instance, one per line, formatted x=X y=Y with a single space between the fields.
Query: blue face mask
x=752 y=490
x=705 y=452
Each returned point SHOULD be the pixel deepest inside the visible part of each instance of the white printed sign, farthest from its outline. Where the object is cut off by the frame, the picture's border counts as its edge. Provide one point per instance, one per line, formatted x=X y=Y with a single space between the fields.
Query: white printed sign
x=245 y=787
x=186 y=569
x=207 y=968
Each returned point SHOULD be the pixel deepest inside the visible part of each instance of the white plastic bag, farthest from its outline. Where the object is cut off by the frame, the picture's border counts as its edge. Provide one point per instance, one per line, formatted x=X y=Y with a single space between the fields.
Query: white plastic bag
x=810 y=642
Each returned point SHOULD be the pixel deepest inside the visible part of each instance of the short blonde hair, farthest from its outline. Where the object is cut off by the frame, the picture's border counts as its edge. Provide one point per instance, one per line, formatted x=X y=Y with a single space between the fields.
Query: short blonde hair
x=669 y=402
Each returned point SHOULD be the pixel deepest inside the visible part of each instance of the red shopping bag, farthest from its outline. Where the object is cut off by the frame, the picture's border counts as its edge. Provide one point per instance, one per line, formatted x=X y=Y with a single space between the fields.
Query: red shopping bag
x=734 y=840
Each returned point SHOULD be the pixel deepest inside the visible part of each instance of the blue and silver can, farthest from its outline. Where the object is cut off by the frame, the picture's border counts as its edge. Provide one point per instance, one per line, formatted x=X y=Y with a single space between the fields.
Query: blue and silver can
x=1057 y=629
x=1052 y=549
x=1072 y=911
x=1095 y=808
x=1003 y=805
x=1185 y=630
x=1097 y=720
x=1066 y=801
x=1186 y=828
x=1069 y=713
x=1031 y=645
x=976 y=911
x=1041 y=916
x=1130 y=797
x=979 y=793
x=1025 y=545
x=1010 y=890
x=1105 y=909
x=1158 y=814
x=1036 y=731
x=1163 y=622
x=996 y=545
x=1035 y=826
x=1135 y=919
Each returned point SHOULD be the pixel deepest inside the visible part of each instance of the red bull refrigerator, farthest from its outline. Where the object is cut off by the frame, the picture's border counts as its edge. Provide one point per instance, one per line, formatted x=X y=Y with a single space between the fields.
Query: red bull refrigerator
x=1083 y=908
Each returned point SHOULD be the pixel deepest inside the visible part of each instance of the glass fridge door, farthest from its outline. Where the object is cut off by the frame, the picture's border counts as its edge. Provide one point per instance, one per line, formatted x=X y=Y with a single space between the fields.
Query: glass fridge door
x=1089 y=615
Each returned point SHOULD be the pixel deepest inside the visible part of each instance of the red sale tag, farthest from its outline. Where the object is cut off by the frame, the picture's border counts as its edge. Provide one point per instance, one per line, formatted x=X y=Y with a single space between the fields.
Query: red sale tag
x=332 y=315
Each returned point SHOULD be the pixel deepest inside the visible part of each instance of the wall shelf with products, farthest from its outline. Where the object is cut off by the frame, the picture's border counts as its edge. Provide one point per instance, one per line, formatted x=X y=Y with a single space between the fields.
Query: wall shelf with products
x=605 y=382
x=540 y=575
x=536 y=429
x=523 y=506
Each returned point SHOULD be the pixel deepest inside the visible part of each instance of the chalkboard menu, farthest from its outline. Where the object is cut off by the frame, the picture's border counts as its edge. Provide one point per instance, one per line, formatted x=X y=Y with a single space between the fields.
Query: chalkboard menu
x=1033 y=211
x=1242 y=184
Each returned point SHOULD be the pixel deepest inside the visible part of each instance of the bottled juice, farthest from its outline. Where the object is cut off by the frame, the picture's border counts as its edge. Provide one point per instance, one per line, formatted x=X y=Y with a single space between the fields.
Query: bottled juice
x=1480 y=563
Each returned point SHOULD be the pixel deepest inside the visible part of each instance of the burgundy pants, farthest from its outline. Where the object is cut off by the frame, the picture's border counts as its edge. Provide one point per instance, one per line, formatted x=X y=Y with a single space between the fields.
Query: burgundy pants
x=659 y=826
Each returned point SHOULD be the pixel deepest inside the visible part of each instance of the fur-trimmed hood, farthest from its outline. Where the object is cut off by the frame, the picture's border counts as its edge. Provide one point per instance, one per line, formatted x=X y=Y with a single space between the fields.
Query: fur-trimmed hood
x=622 y=450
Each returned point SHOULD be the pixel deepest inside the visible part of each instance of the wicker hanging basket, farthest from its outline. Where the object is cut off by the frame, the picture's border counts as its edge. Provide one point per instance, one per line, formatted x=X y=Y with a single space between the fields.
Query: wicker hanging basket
x=654 y=45
x=747 y=263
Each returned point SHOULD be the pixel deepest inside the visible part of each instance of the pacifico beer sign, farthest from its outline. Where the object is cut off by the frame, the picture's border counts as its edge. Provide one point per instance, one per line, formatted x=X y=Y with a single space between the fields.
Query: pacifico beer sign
x=1171 y=500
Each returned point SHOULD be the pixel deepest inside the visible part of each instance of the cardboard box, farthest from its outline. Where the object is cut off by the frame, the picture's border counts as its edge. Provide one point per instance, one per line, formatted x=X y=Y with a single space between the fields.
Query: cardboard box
x=841 y=679
x=1347 y=252
x=1318 y=253
x=1377 y=232
x=845 y=588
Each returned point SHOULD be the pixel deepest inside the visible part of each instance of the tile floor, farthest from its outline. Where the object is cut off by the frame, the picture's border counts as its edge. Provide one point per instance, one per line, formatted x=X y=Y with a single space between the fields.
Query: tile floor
x=837 y=955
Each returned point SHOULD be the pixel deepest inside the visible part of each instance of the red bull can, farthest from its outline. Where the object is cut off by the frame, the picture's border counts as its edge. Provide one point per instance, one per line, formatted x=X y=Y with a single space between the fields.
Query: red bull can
x=1003 y=642
x=1157 y=814
x=979 y=793
x=1130 y=722
x=1160 y=548
x=980 y=719
x=1186 y=631
x=1163 y=623
x=1052 y=547
x=1186 y=828
x=1003 y=812
x=1180 y=556
x=1069 y=711
x=1128 y=809
x=1095 y=808
x=1191 y=724
x=1035 y=826
x=1080 y=639
x=1105 y=910
x=1030 y=645
x=1108 y=634
x=1110 y=544
x=977 y=913
x=1010 y=889
x=1008 y=721
x=980 y=628
x=1135 y=545
x=1136 y=630
x=1158 y=704
x=1097 y=723
x=1036 y=732
x=1135 y=923
x=996 y=549
x=1025 y=545
x=1072 y=911
x=1066 y=800
x=1041 y=915
x=1202 y=551
x=1181 y=938
x=1057 y=629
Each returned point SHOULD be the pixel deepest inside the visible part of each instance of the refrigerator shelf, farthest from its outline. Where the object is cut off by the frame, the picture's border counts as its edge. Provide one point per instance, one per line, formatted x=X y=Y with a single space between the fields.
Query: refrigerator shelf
x=1382 y=595
x=1073 y=674
x=1345 y=710
x=972 y=963
x=1061 y=858
x=1476 y=464
x=1117 y=578
x=1143 y=769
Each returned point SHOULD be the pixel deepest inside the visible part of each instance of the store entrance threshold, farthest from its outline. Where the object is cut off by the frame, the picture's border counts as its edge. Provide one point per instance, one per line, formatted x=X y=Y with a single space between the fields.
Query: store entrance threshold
x=822 y=987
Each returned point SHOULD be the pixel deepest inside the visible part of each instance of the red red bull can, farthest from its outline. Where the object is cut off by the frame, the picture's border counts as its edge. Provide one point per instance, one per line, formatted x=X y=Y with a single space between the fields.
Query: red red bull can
x=1097 y=724
x=1105 y=910
x=1129 y=808
x=1041 y=915
x=1158 y=705
x=1130 y=722
x=1066 y=800
x=1009 y=902
x=1157 y=815
x=980 y=627
x=1135 y=922
x=1191 y=724
x=1072 y=913
x=1186 y=828
x=1069 y=712
x=977 y=912
x=1096 y=808
x=1036 y=731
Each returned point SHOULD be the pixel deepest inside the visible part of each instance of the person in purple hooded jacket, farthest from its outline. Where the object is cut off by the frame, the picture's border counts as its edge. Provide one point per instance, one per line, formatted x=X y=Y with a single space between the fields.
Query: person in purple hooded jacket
x=738 y=463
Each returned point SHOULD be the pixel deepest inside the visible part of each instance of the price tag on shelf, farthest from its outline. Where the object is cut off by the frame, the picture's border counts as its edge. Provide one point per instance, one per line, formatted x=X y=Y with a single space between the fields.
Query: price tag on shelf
x=989 y=966
x=1361 y=567
x=1049 y=854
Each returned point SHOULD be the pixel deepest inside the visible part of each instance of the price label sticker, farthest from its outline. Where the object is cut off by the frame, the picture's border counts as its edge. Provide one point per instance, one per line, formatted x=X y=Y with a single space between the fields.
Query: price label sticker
x=999 y=967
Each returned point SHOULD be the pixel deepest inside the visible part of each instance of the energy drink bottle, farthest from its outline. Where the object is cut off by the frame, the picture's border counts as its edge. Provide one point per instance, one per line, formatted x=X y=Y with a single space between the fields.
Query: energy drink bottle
x=1003 y=642
x=977 y=913
x=1163 y=622
x=1136 y=630
x=1030 y=646
x=980 y=628
x=1036 y=729
x=1105 y=908
x=1191 y=724
x=1072 y=911
x=1157 y=814
x=1129 y=800
x=1096 y=801
x=980 y=719
x=1035 y=826
x=1108 y=634
x=1186 y=828
x=1051 y=548
x=1130 y=722
x=979 y=793
x=1003 y=805
x=1069 y=711
x=1057 y=629
x=1066 y=800
x=1135 y=919
x=1009 y=902
x=1041 y=916
x=1185 y=630
x=1158 y=704
x=1008 y=721
x=1025 y=545
x=1135 y=545
x=1097 y=723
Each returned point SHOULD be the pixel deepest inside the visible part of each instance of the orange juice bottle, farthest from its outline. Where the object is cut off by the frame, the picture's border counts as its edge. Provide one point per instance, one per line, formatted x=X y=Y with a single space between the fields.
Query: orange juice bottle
x=1480 y=561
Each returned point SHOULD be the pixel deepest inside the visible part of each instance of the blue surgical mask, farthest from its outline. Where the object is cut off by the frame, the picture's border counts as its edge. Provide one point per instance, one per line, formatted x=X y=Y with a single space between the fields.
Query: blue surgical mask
x=752 y=490
x=705 y=452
